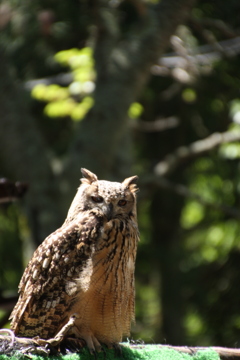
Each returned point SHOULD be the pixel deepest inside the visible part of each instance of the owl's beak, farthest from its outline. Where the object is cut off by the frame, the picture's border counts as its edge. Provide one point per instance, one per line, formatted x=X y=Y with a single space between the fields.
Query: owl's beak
x=108 y=211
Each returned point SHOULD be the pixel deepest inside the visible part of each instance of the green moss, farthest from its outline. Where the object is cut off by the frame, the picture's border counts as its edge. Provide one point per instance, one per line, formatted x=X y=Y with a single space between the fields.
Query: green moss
x=149 y=352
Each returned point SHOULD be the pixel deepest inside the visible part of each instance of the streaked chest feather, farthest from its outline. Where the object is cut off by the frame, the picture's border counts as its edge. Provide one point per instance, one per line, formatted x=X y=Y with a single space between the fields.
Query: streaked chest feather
x=113 y=259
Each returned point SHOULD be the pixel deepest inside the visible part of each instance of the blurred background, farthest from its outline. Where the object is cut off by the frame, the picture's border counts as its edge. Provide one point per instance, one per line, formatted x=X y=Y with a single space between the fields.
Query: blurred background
x=127 y=87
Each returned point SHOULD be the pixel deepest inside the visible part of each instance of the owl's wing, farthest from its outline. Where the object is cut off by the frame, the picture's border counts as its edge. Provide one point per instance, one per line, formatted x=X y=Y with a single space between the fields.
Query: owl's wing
x=48 y=285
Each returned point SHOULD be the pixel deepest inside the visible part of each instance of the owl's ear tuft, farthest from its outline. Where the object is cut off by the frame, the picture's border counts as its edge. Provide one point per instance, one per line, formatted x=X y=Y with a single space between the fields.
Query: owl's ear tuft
x=131 y=183
x=88 y=176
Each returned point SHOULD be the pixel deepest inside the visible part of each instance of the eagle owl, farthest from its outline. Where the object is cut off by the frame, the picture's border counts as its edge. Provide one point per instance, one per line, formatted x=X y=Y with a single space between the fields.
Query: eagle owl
x=85 y=268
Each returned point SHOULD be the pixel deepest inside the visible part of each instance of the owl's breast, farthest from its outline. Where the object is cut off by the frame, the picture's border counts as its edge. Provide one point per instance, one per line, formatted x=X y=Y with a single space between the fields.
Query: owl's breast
x=106 y=284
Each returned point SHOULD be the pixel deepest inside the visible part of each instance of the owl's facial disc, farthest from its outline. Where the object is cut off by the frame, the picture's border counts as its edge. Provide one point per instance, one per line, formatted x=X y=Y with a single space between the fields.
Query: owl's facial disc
x=111 y=198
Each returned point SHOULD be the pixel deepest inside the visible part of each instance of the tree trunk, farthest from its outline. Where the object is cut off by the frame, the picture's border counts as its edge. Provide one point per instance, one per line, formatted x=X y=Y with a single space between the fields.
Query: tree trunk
x=123 y=63
x=165 y=212
x=23 y=155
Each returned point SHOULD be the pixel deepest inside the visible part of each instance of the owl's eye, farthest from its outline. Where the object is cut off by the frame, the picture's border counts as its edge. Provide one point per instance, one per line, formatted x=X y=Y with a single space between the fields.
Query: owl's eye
x=97 y=199
x=122 y=202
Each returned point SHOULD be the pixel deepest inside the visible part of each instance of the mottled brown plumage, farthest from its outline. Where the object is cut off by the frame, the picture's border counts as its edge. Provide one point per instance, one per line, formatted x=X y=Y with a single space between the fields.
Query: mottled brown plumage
x=85 y=268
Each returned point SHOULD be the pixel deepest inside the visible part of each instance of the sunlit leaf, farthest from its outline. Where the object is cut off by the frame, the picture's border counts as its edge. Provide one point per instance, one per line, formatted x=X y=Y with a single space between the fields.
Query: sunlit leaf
x=189 y=95
x=63 y=56
x=76 y=58
x=234 y=108
x=83 y=74
x=60 y=108
x=38 y=92
x=194 y=323
x=230 y=151
x=192 y=214
x=135 y=110
x=79 y=112
x=49 y=93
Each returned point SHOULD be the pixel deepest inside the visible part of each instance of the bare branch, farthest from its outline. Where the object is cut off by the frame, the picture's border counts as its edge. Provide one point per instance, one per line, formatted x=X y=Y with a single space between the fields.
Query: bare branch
x=10 y=343
x=197 y=148
x=10 y=191
x=62 y=79
x=203 y=55
x=201 y=24
x=224 y=353
x=157 y=125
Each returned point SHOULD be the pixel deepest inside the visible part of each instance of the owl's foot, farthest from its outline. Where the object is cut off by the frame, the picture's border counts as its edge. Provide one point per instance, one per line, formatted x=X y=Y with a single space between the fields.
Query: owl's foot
x=55 y=342
x=71 y=329
x=63 y=332
x=82 y=337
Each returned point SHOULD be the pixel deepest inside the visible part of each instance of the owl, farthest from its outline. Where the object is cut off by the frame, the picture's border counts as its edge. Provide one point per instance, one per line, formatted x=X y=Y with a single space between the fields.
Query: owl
x=85 y=269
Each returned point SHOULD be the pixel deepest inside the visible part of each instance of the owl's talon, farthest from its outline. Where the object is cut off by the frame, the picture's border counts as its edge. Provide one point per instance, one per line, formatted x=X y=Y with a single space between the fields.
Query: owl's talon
x=104 y=352
x=97 y=345
x=73 y=344
x=93 y=352
x=98 y=349
x=117 y=350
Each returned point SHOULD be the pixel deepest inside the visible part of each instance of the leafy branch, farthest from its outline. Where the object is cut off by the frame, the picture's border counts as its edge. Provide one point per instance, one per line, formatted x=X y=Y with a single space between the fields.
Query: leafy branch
x=186 y=153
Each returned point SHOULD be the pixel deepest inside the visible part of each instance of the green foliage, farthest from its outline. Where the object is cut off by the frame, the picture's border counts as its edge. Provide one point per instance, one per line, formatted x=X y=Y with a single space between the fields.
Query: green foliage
x=50 y=93
x=79 y=60
x=209 y=242
x=72 y=101
x=192 y=214
x=230 y=151
x=235 y=110
x=194 y=323
x=212 y=243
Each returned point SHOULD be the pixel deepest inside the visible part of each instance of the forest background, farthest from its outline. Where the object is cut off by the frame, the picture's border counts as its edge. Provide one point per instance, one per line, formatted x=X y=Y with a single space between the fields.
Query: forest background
x=125 y=87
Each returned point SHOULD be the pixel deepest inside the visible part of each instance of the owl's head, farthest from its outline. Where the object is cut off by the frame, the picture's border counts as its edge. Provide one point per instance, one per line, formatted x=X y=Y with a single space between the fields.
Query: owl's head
x=113 y=199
